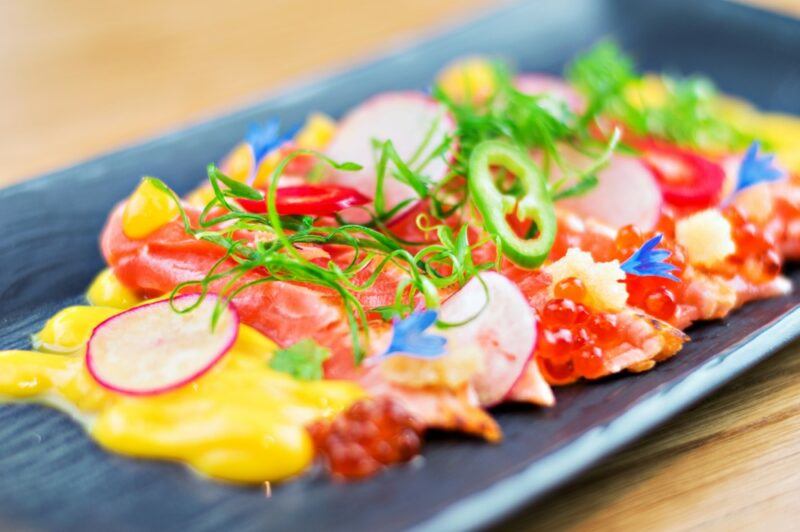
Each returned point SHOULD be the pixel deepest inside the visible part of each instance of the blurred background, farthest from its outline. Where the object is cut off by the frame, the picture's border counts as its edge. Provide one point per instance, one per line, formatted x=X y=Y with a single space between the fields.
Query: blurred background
x=81 y=77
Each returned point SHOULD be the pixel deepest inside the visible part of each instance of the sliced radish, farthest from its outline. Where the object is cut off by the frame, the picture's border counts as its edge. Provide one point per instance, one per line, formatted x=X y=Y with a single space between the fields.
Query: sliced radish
x=505 y=330
x=405 y=118
x=540 y=83
x=627 y=193
x=152 y=349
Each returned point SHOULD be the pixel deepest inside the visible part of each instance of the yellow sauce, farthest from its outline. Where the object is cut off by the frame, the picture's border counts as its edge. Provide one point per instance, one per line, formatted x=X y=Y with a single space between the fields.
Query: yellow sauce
x=107 y=291
x=241 y=421
x=69 y=329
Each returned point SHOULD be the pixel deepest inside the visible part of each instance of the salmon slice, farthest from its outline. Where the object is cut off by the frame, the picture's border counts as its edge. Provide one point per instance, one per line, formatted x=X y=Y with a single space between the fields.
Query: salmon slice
x=532 y=387
x=704 y=296
x=642 y=338
x=286 y=312
x=437 y=407
x=776 y=208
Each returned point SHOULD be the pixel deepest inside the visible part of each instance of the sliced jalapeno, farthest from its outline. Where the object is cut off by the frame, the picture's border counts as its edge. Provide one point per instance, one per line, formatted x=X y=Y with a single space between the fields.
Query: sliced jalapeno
x=533 y=203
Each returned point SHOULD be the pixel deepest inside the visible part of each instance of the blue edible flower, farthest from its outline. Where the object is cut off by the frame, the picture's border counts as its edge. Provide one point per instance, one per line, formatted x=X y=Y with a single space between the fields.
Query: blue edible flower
x=409 y=337
x=264 y=138
x=757 y=168
x=649 y=262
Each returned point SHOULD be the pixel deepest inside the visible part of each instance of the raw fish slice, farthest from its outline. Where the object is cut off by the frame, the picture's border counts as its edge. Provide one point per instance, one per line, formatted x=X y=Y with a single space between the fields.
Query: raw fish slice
x=285 y=312
x=704 y=296
x=641 y=339
x=776 y=208
x=438 y=407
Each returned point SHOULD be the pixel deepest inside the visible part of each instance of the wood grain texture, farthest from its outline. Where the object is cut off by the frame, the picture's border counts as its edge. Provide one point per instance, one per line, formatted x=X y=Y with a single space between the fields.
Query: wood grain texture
x=79 y=78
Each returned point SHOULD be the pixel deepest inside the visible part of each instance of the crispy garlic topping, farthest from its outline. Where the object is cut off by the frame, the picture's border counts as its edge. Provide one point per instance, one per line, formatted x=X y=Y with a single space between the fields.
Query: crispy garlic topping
x=605 y=290
x=707 y=238
x=451 y=370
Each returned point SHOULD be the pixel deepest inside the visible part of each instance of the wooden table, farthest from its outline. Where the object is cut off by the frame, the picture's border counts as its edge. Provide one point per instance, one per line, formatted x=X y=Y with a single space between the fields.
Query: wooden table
x=79 y=78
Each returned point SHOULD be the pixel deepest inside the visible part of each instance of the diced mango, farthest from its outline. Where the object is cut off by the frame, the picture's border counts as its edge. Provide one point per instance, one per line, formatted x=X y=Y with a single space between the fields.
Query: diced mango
x=239 y=163
x=201 y=196
x=469 y=80
x=147 y=210
x=316 y=133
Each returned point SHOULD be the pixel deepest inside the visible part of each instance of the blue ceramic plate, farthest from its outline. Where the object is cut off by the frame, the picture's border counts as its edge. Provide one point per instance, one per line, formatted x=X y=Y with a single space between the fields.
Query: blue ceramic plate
x=53 y=477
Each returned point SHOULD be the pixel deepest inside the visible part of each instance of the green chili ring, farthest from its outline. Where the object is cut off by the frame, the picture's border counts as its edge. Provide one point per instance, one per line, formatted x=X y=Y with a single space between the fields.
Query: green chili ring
x=534 y=204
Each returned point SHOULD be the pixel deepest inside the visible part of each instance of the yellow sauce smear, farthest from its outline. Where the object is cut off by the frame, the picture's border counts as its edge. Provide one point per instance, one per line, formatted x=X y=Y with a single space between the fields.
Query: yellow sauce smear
x=240 y=422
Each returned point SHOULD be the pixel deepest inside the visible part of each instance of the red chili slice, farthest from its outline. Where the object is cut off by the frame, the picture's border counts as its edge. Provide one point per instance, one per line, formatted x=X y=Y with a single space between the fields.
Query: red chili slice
x=686 y=178
x=311 y=200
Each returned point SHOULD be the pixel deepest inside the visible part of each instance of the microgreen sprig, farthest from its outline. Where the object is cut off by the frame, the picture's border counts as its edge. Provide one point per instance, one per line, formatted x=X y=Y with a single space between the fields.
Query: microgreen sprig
x=275 y=255
x=686 y=112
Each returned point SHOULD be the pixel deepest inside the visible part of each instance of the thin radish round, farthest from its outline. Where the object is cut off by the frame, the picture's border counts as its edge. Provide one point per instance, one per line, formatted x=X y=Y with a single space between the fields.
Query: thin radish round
x=504 y=329
x=541 y=83
x=153 y=349
x=627 y=193
x=414 y=122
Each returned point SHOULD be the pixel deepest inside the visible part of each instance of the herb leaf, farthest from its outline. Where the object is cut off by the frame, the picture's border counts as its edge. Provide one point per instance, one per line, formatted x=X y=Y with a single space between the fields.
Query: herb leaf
x=686 y=115
x=302 y=360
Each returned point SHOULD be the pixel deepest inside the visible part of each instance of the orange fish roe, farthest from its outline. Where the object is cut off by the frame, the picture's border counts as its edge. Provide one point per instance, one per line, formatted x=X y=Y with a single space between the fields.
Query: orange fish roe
x=572 y=337
x=570 y=288
x=756 y=258
x=370 y=435
x=657 y=296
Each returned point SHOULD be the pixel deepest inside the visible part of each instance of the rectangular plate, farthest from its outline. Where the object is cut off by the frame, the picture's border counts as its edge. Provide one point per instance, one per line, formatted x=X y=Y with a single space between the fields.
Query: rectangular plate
x=52 y=476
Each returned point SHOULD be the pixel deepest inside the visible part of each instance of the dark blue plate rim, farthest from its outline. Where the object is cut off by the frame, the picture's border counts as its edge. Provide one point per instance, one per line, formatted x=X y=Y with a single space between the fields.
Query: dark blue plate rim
x=510 y=494
x=503 y=498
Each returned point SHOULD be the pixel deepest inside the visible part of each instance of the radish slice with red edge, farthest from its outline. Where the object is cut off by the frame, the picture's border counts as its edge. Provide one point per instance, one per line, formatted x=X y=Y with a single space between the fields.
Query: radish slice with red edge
x=627 y=193
x=504 y=330
x=411 y=120
x=536 y=83
x=152 y=349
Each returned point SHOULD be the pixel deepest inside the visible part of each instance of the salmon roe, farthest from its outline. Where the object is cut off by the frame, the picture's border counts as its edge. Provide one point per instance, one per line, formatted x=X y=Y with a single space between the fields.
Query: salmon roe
x=629 y=238
x=660 y=303
x=368 y=436
x=756 y=257
x=666 y=223
x=570 y=288
x=657 y=296
x=572 y=339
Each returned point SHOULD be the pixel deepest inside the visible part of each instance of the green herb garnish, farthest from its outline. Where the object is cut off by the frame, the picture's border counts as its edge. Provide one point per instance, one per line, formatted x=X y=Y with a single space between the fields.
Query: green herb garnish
x=302 y=360
x=443 y=259
x=428 y=269
x=687 y=116
x=540 y=123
